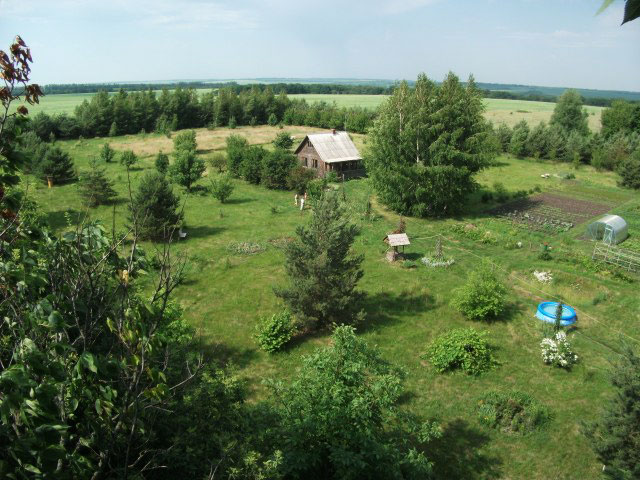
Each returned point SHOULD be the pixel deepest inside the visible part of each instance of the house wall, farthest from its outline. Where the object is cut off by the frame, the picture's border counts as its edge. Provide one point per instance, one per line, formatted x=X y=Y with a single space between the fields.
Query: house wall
x=308 y=157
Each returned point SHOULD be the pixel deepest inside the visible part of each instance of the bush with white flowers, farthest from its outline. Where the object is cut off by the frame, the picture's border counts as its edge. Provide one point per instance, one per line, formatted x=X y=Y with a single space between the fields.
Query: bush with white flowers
x=557 y=351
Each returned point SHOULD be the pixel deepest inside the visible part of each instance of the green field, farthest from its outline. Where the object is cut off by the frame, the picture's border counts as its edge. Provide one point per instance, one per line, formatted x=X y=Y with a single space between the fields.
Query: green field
x=498 y=110
x=225 y=293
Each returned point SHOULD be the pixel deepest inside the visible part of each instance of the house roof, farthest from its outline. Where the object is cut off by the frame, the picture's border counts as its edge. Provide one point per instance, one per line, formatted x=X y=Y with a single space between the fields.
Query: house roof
x=397 y=239
x=333 y=147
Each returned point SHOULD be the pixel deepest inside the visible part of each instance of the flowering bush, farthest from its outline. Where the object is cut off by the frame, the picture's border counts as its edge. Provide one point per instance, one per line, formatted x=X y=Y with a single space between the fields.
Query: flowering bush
x=557 y=351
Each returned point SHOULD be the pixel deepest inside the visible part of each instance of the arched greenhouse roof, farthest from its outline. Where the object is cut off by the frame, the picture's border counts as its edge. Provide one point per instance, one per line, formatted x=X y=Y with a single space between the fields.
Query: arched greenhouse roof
x=609 y=228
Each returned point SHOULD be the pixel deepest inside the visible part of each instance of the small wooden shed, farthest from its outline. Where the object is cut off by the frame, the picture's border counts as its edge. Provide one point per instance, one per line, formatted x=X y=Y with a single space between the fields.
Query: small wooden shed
x=396 y=240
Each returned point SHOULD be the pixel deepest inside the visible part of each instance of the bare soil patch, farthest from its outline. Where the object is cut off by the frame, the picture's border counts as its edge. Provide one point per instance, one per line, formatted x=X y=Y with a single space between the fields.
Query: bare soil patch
x=550 y=212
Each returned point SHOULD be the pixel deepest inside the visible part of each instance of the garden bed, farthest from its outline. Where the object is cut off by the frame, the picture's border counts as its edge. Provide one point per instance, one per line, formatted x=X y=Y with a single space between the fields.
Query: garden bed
x=550 y=212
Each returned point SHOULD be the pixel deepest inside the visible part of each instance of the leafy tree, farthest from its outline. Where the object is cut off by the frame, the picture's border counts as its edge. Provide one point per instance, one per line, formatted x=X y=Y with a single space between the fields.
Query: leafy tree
x=276 y=168
x=339 y=418
x=252 y=160
x=187 y=168
x=162 y=162
x=483 y=295
x=128 y=158
x=283 y=140
x=95 y=187
x=236 y=145
x=322 y=275
x=42 y=125
x=56 y=165
x=218 y=161
x=185 y=141
x=107 y=154
x=518 y=144
x=222 y=188
x=615 y=436
x=569 y=114
x=154 y=210
x=299 y=178
x=426 y=145
x=629 y=171
x=621 y=117
x=273 y=120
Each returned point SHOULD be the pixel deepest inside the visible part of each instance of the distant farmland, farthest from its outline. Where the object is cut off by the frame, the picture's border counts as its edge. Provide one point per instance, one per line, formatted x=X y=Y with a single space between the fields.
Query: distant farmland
x=498 y=110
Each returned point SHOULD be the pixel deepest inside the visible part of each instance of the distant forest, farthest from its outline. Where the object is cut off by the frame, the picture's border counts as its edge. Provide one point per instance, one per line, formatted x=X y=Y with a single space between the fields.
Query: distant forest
x=601 y=98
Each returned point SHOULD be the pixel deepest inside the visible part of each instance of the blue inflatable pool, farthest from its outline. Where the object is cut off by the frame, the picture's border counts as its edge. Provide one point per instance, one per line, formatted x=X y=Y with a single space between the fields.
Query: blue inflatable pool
x=547 y=313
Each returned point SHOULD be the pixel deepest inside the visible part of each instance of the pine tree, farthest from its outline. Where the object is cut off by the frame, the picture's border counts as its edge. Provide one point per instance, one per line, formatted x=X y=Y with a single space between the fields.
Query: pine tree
x=154 y=209
x=162 y=162
x=95 y=187
x=322 y=274
x=615 y=436
x=107 y=154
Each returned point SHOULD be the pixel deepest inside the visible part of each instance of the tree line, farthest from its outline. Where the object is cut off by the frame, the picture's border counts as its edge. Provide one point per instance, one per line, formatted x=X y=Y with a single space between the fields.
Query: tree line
x=145 y=111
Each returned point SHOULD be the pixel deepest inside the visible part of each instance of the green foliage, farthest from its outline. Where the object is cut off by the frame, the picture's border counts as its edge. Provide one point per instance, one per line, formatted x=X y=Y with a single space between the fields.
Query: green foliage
x=251 y=168
x=107 y=154
x=272 y=120
x=569 y=114
x=463 y=349
x=113 y=130
x=273 y=333
x=128 y=158
x=236 y=145
x=615 y=436
x=322 y=274
x=298 y=179
x=545 y=252
x=187 y=168
x=629 y=171
x=56 y=165
x=426 y=145
x=276 y=168
x=501 y=193
x=162 y=162
x=222 y=188
x=233 y=123
x=218 y=161
x=185 y=141
x=483 y=296
x=519 y=137
x=154 y=207
x=95 y=187
x=512 y=412
x=339 y=417
x=622 y=117
x=283 y=141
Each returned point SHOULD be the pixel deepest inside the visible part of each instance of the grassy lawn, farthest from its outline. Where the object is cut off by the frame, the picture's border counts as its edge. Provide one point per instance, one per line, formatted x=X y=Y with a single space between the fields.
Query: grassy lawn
x=225 y=293
x=498 y=110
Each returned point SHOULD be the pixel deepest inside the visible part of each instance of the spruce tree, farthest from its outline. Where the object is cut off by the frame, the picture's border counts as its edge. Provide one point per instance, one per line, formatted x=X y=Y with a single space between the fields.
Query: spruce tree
x=322 y=273
x=162 y=162
x=57 y=166
x=154 y=209
x=518 y=144
x=615 y=436
x=95 y=187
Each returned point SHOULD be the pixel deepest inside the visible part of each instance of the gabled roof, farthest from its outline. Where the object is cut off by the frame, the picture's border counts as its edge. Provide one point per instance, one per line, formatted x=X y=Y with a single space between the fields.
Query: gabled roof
x=397 y=239
x=333 y=147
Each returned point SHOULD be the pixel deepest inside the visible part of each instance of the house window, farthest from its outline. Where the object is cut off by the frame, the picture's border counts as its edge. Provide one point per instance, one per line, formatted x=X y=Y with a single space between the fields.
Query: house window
x=306 y=162
x=315 y=163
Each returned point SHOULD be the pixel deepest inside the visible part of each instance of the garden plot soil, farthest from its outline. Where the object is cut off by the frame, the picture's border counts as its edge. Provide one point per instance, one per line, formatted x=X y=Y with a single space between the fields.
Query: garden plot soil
x=550 y=212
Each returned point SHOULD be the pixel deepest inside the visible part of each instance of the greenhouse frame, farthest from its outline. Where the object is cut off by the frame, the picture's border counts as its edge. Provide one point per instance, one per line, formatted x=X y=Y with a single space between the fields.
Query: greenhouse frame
x=611 y=229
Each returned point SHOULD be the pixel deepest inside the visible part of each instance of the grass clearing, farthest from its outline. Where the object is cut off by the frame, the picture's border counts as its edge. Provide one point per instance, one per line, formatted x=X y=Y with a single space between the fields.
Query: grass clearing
x=225 y=293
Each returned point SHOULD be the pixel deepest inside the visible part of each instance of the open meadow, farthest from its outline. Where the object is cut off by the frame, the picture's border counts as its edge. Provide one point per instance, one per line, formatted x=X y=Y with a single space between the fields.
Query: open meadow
x=408 y=305
x=497 y=110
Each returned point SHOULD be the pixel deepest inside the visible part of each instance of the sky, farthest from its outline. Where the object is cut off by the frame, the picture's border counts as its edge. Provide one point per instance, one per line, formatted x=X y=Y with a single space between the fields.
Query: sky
x=559 y=43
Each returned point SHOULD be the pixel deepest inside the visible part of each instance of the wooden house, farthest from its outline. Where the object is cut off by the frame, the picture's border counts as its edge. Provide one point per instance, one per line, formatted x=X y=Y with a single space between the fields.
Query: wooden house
x=330 y=152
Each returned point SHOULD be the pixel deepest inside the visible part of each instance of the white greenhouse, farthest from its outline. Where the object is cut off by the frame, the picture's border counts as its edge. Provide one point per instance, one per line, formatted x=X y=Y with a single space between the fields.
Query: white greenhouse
x=611 y=229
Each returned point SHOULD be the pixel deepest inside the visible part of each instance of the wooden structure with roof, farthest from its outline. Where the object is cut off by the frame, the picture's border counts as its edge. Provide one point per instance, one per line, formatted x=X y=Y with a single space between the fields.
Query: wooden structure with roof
x=395 y=240
x=330 y=152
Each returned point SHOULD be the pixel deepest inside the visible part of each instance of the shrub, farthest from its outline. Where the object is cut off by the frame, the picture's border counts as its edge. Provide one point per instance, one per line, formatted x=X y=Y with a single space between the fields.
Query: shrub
x=221 y=188
x=512 y=412
x=162 y=162
x=463 y=349
x=236 y=146
x=273 y=333
x=218 y=161
x=107 y=154
x=232 y=122
x=283 y=140
x=272 y=120
x=557 y=351
x=276 y=168
x=629 y=171
x=128 y=158
x=298 y=179
x=502 y=195
x=545 y=252
x=483 y=296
